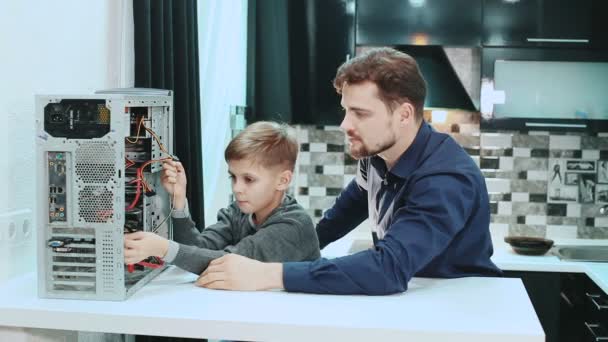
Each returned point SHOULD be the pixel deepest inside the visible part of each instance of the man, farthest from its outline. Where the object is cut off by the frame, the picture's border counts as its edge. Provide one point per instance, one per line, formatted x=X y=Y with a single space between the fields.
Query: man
x=425 y=197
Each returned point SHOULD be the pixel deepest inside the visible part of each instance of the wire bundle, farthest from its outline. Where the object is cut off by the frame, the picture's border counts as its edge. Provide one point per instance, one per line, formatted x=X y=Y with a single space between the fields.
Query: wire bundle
x=141 y=183
x=143 y=186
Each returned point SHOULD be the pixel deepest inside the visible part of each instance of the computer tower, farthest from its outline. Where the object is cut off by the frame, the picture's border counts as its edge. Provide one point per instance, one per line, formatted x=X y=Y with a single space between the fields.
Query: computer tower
x=98 y=163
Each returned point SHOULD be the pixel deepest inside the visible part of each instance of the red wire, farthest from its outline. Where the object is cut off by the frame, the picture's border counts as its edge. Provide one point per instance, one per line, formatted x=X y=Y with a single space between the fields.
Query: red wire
x=150 y=265
x=141 y=184
x=129 y=163
x=137 y=195
x=131 y=267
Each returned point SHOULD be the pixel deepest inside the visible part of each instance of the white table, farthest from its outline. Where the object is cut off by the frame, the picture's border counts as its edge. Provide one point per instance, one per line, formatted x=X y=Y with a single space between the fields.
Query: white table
x=465 y=309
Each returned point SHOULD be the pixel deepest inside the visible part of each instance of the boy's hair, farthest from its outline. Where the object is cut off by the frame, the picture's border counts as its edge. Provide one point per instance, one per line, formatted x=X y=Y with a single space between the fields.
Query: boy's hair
x=395 y=73
x=267 y=143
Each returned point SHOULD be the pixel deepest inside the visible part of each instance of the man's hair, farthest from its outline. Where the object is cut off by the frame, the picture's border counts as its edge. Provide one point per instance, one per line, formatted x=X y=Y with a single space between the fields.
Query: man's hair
x=396 y=74
x=267 y=143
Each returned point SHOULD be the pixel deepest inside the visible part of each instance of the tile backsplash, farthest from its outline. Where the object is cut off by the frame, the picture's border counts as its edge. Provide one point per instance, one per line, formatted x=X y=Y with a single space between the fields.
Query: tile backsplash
x=540 y=184
x=323 y=167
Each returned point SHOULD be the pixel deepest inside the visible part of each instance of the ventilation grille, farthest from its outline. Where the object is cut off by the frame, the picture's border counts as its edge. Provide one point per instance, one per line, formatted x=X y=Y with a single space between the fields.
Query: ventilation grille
x=95 y=162
x=107 y=262
x=95 y=204
x=104 y=114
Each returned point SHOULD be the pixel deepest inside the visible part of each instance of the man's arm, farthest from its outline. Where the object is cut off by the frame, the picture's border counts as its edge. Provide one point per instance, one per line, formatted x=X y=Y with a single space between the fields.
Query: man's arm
x=436 y=210
x=349 y=210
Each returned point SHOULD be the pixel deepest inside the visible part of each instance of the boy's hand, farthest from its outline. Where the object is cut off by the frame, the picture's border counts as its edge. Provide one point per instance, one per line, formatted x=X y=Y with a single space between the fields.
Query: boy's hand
x=236 y=272
x=140 y=245
x=173 y=179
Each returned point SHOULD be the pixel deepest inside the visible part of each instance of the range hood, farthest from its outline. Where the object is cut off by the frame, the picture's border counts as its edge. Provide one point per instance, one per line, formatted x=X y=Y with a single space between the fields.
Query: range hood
x=444 y=87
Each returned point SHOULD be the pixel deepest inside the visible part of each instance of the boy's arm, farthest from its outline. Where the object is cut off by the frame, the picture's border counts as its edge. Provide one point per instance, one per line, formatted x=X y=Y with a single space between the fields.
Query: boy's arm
x=216 y=236
x=192 y=250
x=291 y=238
x=191 y=258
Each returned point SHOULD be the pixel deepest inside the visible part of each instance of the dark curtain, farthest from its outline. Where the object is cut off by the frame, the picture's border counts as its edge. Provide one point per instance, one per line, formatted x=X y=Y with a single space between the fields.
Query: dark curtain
x=166 y=57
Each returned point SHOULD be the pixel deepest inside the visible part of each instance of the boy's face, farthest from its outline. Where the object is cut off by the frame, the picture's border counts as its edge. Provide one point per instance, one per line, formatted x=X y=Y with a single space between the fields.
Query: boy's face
x=257 y=189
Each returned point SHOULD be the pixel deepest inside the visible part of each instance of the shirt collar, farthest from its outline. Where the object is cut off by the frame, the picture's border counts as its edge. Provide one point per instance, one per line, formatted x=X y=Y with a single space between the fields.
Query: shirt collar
x=407 y=163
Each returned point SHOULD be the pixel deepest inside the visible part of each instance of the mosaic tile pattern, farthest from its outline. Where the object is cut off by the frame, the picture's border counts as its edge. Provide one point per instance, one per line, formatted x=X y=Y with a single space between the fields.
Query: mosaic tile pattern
x=323 y=168
x=518 y=167
x=540 y=193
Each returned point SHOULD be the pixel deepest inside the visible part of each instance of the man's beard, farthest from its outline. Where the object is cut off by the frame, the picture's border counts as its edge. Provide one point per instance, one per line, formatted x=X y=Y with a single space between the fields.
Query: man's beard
x=363 y=151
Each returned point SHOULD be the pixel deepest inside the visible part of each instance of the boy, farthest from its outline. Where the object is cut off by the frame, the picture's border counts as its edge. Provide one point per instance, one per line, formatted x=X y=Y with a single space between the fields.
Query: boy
x=264 y=223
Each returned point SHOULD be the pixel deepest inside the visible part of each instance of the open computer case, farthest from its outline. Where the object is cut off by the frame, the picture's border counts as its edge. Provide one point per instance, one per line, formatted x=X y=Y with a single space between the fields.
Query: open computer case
x=98 y=167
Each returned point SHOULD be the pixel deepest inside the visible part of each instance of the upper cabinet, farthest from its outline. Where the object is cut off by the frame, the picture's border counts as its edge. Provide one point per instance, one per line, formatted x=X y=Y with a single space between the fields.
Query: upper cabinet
x=545 y=23
x=419 y=22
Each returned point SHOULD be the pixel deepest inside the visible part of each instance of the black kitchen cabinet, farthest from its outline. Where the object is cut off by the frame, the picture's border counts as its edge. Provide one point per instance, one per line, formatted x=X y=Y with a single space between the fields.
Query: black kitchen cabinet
x=295 y=50
x=489 y=56
x=545 y=23
x=409 y=22
x=544 y=291
x=584 y=309
x=570 y=306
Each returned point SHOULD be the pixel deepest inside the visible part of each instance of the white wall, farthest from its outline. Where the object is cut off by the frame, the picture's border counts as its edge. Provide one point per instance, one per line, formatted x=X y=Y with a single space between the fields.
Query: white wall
x=71 y=46
x=52 y=47
x=223 y=68
x=57 y=47
x=48 y=47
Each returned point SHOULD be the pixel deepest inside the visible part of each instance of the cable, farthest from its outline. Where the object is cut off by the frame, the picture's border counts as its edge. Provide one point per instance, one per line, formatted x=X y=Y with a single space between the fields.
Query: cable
x=160 y=144
x=152 y=133
x=128 y=163
x=137 y=194
x=155 y=229
x=141 y=181
x=142 y=184
x=141 y=123
x=140 y=171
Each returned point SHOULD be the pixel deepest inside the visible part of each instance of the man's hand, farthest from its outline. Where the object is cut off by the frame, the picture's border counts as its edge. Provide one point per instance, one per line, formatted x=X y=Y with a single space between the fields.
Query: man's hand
x=173 y=179
x=140 y=245
x=236 y=272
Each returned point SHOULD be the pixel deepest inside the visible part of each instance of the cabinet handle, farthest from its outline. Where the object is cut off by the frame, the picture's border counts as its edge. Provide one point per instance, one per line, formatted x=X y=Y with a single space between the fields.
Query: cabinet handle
x=548 y=124
x=557 y=40
x=566 y=299
x=594 y=335
x=593 y=298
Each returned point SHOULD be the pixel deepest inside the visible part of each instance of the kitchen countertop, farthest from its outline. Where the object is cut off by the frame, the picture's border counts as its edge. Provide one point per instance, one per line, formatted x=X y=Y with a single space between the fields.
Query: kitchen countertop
x=170 y=305
x=506 y=259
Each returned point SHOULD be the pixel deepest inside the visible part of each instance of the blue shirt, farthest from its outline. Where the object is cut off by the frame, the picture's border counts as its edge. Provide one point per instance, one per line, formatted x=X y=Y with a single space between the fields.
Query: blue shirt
x=431 y=212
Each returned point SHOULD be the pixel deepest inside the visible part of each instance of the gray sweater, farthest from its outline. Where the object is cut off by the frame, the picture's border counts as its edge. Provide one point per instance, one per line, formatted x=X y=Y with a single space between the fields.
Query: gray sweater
x=288 y=234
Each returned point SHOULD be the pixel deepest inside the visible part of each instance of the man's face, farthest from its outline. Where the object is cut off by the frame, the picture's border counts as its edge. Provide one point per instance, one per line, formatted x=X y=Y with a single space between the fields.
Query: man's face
x=368 y=123
x=254 y=186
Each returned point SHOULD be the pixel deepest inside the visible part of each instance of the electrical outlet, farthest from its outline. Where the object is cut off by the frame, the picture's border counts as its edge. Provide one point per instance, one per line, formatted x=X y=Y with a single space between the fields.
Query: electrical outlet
x=17 y=244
